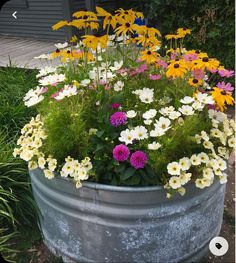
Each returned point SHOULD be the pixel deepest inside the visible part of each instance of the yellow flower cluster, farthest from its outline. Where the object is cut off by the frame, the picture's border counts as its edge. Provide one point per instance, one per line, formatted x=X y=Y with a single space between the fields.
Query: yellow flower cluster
x=78 y=171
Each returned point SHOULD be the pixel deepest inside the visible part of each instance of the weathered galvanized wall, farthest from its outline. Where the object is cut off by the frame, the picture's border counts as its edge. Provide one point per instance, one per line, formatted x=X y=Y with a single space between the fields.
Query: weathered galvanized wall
x=102 y=223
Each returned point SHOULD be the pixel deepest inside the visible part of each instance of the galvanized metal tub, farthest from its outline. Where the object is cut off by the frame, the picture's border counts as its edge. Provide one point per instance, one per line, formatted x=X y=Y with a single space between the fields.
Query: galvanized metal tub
x=101 y=223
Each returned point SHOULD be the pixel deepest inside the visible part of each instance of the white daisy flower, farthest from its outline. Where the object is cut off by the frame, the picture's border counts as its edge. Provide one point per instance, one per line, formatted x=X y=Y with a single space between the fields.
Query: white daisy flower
x=204 y=98
x=148 y=122
x=127 y=136
x=131 y=114
x=217 y=115
x=149 y=114
x=186 y=110
x=167 y=110
x=140 y=133
x=85 y=82
x=154 y=146
x=119 y=85
x=174 y=115
x=231 y=142
x=187 y=100
x=61 y=45
x=163 y=124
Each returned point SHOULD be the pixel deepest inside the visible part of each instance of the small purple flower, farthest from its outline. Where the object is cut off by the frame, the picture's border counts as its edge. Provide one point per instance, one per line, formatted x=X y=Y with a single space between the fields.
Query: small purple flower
x=115 y=105
x=225 y=86
x=226 y=73
x=118 y=118
x=121 y=153
x=138 y=159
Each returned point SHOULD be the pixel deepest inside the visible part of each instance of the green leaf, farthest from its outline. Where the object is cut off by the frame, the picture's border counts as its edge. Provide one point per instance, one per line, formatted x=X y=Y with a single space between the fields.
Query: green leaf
x=128 y=173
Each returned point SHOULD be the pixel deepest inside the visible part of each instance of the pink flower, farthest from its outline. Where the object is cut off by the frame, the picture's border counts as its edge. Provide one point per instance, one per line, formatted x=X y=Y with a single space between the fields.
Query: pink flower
x=118 y=118
x=190 y=57
x=198 y=74
x=225 y=86
x=142 y=68
x=173 y=55
x=121 y=153
x=55 y=95
x=154 y=76
x=115 y=105
x=162 y=64
x=226 y=73
x=138 y=159
x=107 y=87
x=44 y=90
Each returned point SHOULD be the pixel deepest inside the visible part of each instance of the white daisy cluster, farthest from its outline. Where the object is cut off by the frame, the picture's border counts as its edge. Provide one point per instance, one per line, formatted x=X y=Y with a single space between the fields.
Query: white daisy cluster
x=67 y=91
x=33 y=96
x=145 y=95
x=45 y=71
x=79 y=171
x=129 y=135
x=104 y=73
x=52 y=79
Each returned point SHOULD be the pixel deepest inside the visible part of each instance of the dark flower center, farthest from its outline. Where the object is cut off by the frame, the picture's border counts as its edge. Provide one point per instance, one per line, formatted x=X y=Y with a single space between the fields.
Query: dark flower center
x=57 y=50
x=127 y=24
x=176 y=65
x=149 y=52
x=184 y=28
x=197 y=51
x=223 y=92
x=126 y=12
x=177 y=59
x=205 y=59
x=85 y=17
x=195 y=81
x=68 y=52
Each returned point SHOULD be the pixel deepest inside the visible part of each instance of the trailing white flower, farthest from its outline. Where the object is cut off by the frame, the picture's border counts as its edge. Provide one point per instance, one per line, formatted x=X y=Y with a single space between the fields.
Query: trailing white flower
x=127 y=136
x=119 y=85
x=150 y=114
x=186 y=110
x=173 y=168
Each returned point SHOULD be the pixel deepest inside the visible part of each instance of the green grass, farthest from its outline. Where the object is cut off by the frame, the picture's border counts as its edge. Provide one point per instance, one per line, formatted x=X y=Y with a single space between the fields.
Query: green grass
x=18 y=212
x=14 y=83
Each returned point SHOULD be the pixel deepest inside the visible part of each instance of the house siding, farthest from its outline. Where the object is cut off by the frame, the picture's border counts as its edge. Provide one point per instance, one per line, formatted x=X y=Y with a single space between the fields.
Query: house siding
x=35 y=17
x=33 y=20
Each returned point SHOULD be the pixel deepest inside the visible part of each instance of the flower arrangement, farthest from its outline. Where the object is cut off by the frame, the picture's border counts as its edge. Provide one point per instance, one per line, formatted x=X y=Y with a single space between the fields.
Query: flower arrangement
x=121 y=109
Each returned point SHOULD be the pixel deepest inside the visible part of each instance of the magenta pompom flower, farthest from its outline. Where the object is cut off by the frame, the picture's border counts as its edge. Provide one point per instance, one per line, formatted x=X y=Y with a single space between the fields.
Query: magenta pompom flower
x=116 y=105
x=138 y=159
x=118 y=118
x=121 y=153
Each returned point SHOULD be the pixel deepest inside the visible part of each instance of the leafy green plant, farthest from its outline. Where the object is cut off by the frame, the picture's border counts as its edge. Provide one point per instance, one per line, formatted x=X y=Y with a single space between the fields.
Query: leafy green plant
x=212 y=23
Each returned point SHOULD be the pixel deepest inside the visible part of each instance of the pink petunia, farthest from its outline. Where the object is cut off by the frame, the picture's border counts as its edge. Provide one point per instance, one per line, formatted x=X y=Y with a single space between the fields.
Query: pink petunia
x=154 y=76
x=225 y=86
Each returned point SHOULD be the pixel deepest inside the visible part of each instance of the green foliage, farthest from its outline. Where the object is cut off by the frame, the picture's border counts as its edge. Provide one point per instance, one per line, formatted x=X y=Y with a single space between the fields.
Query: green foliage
x=17 y=207
x=14 y=83
x=66 y=129
x=212 y=22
